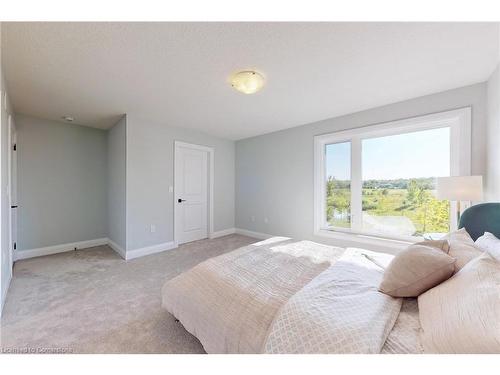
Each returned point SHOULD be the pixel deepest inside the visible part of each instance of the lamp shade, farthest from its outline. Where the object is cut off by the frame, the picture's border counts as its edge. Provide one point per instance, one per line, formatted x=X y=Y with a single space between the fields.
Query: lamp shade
x=460 y=188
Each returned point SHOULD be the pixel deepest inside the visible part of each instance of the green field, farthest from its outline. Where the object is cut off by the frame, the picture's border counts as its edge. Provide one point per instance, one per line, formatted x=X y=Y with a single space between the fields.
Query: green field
x=412 y=198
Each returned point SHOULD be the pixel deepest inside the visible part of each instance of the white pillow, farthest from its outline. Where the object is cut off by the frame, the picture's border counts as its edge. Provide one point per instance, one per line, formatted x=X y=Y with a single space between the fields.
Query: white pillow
x=461 y=315
x=489 y=243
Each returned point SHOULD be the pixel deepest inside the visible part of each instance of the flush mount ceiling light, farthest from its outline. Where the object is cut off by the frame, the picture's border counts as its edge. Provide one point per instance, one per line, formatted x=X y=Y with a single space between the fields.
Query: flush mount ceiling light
x=247 y=81
x=68 y=118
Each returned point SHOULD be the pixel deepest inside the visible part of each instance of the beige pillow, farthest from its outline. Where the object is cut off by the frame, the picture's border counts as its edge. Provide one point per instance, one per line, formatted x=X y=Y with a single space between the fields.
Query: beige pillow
x=462 y=248
x=415 y=270
x=462 y=315
x=442 y=245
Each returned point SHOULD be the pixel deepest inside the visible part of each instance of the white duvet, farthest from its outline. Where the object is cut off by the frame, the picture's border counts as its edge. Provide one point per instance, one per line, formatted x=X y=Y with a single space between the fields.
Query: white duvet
x=339 y=311
x=285 y=296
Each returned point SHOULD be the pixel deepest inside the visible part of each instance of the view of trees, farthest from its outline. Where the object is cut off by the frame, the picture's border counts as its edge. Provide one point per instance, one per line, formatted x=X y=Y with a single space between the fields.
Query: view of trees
x=411 y=198
x=338 y=202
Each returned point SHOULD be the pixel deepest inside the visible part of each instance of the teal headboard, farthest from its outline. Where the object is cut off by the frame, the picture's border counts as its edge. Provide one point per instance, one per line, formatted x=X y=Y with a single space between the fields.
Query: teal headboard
x=484 y=217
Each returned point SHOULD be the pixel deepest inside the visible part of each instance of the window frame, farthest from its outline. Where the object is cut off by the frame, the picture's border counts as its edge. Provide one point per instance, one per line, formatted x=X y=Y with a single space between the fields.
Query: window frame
x=459 y=122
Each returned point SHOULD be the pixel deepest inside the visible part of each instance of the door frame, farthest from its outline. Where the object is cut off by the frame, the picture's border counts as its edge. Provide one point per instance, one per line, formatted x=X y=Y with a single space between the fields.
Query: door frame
x=211 y=153
x=10 y=157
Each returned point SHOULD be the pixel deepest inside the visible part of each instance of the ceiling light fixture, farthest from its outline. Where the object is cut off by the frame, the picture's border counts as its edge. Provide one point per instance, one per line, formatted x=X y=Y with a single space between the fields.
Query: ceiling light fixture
x=247 y=81
x=68 y=118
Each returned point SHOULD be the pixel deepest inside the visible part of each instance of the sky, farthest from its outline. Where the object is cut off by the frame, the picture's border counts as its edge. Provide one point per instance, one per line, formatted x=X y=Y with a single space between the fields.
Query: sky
x=419 y=154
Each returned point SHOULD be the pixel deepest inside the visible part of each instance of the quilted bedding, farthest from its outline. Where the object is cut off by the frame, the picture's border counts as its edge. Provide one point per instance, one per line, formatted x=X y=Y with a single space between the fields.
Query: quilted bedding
x=279 y=295
x=340 y=311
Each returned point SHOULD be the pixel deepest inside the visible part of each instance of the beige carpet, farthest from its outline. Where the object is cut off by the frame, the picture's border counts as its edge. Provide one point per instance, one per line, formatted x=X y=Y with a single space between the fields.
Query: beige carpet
x=92 y=301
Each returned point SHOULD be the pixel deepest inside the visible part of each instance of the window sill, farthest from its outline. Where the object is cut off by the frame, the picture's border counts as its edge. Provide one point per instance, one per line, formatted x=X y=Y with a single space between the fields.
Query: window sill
x=364 y=240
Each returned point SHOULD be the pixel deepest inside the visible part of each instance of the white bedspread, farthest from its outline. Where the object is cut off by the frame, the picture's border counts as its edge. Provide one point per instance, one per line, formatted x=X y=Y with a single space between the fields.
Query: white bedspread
x=285 y=296
x=339 y=311
x=405 y=335
x=228 y=302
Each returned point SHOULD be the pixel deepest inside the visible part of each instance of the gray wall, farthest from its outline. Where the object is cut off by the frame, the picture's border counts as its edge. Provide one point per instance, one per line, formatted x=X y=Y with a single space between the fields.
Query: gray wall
x=493 y=138
x=62 y=183
x=150 y=172
x=274 y=172
x=117 y=179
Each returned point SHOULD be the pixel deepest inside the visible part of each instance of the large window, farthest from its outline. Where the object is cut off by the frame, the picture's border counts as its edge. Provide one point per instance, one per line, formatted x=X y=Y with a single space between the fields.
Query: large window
x=380 y=180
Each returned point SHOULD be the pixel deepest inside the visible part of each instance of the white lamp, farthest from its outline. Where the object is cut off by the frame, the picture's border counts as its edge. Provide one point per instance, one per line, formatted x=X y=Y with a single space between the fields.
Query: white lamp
x=460 y=188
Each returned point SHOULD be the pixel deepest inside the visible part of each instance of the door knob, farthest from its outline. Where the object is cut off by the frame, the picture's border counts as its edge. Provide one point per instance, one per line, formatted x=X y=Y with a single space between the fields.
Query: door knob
x=180 y=200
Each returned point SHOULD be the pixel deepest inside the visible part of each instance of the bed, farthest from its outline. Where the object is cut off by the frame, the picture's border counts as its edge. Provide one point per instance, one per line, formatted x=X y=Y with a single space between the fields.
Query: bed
x=290 y=296
x=278 y=295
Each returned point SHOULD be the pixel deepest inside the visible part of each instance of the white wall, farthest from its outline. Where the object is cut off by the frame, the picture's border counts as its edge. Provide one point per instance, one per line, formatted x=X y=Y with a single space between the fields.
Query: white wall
x=5 y=111
x=62 y=183
x=117 y=192
x=274 y=172
x=492 y=186
x=150 y=173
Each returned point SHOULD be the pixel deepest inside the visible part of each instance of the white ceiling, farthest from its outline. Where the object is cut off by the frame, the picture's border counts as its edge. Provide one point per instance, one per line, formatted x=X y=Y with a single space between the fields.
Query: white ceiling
x=177 y=73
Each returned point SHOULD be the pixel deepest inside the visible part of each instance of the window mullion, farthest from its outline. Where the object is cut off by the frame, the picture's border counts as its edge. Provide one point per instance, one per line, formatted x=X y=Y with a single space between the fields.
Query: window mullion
x=356 y=185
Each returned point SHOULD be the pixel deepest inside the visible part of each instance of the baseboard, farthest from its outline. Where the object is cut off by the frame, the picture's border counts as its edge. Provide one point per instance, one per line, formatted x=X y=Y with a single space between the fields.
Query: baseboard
x=225 y=232
x=48 y=250
x=4 y=295
x=127 y=255
x=117 y=248
x=249 y=233
x=136 y=253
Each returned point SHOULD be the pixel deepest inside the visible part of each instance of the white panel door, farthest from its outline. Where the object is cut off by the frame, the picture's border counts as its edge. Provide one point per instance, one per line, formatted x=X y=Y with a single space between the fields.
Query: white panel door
x=191 y=194
x=12 y=175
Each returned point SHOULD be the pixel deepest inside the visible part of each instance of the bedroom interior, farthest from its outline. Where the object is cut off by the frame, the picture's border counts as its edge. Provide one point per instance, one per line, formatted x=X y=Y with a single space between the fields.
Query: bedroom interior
x=250 y=188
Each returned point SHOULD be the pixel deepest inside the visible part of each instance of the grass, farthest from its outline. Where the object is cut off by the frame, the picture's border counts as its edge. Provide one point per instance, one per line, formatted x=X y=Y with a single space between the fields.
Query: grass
x=427 y=214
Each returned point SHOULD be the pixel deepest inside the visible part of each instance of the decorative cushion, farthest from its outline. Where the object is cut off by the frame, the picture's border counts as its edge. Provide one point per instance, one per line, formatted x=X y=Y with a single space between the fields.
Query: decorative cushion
x=442 y=245
x=415 y=270
x=489 y=243
x=462 y=314
x=462 y=247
